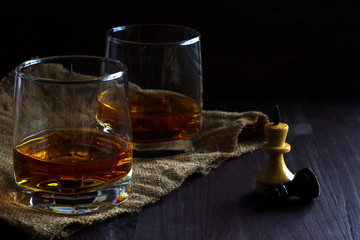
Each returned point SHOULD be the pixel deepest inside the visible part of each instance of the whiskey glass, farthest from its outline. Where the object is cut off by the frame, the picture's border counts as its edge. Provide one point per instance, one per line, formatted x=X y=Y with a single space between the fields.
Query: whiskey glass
x=65 y=159
x=165 y=86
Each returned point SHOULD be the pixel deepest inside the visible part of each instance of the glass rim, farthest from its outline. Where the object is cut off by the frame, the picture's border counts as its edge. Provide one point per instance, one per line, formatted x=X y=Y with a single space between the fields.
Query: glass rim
x=184 y=42
x=33 y=62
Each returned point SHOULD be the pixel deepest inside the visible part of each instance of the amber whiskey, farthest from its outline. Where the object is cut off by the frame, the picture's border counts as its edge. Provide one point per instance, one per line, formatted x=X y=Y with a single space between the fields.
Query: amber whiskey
x=156 y=115
x=71 y=161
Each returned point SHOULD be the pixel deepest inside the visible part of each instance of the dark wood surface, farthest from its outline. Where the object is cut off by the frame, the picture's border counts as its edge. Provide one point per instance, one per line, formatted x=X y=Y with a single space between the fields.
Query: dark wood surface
x=324 y=135
x=254 y=52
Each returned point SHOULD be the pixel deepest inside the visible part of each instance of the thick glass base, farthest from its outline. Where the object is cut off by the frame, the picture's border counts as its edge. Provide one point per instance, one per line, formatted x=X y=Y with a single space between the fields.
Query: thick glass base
x=166 y=149
x=93 y=201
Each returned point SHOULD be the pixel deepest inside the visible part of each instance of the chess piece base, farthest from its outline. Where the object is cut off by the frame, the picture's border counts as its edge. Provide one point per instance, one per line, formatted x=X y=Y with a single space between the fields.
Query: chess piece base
x=275 y=172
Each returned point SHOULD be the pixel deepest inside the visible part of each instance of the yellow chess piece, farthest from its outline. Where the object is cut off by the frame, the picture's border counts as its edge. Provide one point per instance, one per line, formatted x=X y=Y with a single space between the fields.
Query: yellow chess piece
x=275 y=170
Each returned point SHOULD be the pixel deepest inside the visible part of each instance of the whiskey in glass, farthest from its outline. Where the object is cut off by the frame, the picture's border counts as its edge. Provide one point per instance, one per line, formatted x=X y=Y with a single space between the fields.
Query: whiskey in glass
x=64 y=160
x=165 y=86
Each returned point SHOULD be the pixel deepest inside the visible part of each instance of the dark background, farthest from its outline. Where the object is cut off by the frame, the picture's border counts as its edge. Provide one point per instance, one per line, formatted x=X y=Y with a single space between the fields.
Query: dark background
x=250 y=49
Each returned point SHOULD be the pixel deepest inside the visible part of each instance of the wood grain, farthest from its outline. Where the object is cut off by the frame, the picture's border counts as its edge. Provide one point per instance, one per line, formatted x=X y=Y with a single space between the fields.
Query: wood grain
x=222 y=205
x=254 y=52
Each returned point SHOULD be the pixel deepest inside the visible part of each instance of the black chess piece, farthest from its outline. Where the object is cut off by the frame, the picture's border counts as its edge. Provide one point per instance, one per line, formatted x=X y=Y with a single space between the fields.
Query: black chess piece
x=304 y=185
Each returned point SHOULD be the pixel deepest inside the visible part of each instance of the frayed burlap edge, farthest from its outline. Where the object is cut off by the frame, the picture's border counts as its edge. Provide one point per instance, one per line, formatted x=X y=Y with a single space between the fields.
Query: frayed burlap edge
x=224 y=135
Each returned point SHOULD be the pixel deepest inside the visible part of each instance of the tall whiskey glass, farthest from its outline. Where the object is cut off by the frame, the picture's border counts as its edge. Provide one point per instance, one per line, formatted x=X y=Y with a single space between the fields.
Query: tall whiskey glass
x=165 y=86
x=67 y=160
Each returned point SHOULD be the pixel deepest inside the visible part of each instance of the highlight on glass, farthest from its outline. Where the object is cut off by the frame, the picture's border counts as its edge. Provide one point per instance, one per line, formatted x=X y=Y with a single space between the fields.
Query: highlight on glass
x=68 y=158
x=165 y=86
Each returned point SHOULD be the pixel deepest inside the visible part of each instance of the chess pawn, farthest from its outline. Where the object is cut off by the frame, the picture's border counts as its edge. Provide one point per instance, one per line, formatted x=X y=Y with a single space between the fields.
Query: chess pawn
x=275 y=171
x=304 y=185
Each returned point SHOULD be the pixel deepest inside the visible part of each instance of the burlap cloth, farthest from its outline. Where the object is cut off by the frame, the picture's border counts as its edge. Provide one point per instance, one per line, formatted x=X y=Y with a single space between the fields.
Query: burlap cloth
x=224 y=135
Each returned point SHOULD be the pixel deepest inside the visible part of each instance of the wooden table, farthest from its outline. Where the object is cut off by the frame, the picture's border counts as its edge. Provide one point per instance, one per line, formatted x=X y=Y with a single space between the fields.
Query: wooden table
x=324 y=135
